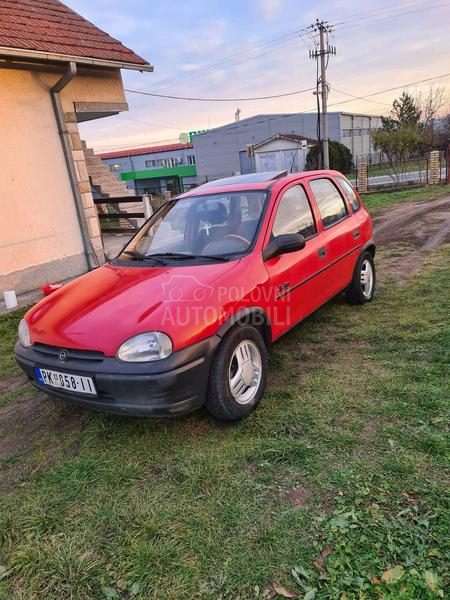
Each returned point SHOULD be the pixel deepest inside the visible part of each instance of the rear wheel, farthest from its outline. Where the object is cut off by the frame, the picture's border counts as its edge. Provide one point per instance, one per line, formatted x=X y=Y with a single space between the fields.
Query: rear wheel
x=238 y=374
x=362 y=287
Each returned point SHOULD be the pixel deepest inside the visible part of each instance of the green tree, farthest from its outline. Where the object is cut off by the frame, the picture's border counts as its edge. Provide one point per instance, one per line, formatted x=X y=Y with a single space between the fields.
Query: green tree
x=399 y=146
x=400 y=137
x=340 y=157
x=405 y=112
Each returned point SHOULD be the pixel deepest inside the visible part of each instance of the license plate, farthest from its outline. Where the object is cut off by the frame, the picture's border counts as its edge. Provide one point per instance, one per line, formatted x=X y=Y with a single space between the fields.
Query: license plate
x=66 y=381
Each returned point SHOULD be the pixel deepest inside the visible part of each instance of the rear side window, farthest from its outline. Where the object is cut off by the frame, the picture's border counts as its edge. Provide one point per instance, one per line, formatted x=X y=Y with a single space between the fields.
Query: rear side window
x=349 y=193
x=330 y=202
x=294 y=214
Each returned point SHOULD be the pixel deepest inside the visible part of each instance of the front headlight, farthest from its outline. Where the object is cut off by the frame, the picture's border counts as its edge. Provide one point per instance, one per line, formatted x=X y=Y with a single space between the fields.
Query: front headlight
x=23 y=334
x=145 y=347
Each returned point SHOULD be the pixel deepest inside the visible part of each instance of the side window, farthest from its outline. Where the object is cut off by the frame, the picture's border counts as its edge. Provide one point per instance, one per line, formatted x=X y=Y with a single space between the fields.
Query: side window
x=330 y=202
x=349 y=193
x=294 y=214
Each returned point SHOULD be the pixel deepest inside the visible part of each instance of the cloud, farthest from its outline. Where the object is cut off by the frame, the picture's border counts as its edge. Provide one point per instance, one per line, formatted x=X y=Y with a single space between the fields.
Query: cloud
x=271 y=8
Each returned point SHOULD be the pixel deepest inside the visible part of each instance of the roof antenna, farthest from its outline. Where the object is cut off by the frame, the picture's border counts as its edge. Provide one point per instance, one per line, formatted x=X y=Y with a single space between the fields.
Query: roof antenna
x=237 y=114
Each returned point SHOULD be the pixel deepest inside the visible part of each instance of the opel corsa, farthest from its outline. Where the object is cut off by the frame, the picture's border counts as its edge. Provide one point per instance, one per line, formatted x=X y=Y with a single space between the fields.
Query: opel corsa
x=184 y=315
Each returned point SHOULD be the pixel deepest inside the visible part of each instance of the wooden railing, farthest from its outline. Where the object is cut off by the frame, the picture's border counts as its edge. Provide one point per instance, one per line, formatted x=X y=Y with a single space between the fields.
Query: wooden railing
x=119 y=221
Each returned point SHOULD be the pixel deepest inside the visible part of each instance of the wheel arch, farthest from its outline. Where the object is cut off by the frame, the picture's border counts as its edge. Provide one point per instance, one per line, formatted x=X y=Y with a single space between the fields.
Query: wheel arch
x=369 y=247
x=255 y=316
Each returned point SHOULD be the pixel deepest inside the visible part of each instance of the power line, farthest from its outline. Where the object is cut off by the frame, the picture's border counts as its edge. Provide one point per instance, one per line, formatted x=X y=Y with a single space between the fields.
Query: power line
x=276 y=41
x=390 y=16
x=221 y=64
x=383 y=9
x=392 y=89
x=359 y=97
x=220 y=99
x=150 y=123
x=352 y=99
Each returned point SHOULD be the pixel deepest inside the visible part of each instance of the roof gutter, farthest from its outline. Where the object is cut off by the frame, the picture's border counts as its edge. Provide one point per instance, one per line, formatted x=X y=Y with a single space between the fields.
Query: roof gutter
x=91 y=258
x=18 y=53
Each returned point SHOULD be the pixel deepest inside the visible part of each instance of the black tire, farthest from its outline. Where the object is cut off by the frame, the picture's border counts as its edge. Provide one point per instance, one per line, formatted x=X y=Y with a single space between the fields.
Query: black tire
x=356 y=292
x=220 y=402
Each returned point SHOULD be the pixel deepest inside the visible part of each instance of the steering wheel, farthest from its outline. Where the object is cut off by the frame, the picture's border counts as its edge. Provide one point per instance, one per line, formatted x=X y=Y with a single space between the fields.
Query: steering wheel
x=234 y=236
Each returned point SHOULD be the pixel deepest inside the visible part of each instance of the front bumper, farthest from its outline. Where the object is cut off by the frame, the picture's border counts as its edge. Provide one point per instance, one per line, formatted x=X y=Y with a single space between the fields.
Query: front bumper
x=173 y=386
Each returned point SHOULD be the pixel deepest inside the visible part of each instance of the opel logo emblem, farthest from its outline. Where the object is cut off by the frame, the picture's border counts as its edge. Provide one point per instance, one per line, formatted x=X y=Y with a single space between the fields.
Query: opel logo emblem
x=63 y=355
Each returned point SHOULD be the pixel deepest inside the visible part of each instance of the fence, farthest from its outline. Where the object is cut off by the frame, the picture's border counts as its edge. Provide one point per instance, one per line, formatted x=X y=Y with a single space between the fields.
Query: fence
x=414 y=171
x=115 y=220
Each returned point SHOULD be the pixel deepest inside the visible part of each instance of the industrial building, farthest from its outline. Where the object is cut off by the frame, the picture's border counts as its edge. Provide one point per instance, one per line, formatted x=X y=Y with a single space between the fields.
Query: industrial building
x=244 y=146
x=156 y=169
x=224 y=151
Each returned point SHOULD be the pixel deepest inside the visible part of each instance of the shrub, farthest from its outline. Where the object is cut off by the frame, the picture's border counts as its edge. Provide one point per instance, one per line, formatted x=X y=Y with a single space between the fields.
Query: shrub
x=340 y=157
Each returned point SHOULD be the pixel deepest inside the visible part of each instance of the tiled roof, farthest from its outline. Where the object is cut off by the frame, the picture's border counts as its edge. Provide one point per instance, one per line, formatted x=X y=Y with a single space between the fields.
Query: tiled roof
x=50 y=26
x=148 y=150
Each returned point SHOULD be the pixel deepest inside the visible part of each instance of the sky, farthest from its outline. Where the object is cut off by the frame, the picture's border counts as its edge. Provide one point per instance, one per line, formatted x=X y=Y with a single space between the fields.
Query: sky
x=379 y=45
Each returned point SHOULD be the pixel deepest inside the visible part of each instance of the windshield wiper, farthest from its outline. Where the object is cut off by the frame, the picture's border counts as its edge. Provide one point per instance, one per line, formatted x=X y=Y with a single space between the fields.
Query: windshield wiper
x=140 y=256
x=182 y=256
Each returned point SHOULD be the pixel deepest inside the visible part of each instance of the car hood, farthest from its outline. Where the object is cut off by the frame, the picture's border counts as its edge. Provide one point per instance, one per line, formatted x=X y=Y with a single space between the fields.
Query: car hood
x=105 y=307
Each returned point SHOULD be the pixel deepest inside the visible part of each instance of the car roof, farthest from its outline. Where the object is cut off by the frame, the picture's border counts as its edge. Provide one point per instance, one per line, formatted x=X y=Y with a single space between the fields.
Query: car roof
x=254 y=181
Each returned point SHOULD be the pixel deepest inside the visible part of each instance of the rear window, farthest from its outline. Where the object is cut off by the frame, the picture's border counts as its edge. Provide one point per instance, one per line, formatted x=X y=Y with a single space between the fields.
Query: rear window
x=329 y=201
x=349 y=193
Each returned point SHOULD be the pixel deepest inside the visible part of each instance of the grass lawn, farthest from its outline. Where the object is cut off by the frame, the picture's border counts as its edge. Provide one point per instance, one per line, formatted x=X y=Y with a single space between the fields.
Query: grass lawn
x=377 y=201
x=336 y=487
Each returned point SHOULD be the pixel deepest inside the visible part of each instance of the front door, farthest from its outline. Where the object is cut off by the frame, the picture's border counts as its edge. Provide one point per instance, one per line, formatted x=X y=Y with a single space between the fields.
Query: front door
x=296 y=280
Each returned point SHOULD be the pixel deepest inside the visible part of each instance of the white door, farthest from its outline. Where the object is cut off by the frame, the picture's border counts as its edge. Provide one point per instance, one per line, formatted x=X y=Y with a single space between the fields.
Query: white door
x=266 y=161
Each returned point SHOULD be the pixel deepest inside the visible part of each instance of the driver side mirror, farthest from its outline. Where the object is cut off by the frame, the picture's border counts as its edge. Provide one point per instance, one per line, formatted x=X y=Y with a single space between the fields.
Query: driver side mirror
x=283 y=244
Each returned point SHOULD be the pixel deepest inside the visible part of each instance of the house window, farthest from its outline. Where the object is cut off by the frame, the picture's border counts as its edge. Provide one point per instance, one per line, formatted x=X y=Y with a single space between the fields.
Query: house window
x=115 y=167
x=150 y=163
x=346 y=133
x=191 y=159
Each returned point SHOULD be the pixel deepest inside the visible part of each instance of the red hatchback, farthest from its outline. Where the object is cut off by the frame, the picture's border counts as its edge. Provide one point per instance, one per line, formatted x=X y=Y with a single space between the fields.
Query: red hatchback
x=184 y=315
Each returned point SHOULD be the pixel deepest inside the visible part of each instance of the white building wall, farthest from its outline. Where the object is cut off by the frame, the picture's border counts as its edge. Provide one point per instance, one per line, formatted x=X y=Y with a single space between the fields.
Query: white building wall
x=38 y=221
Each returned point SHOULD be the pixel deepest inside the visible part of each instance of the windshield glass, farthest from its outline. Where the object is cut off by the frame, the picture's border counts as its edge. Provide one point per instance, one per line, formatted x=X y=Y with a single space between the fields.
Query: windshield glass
x=210 y=226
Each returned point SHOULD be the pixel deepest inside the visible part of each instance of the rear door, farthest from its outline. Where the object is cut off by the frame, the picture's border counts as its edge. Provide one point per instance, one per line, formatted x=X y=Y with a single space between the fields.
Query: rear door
x=340 y=233
x=296 y=281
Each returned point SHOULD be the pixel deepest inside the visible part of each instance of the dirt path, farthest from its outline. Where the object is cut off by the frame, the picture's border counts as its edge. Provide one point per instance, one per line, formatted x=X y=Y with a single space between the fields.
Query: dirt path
x=424 y=224
x=407 y=234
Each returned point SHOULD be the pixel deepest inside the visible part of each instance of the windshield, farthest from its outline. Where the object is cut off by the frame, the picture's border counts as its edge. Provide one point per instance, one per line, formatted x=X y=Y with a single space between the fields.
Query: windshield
x=215 y=226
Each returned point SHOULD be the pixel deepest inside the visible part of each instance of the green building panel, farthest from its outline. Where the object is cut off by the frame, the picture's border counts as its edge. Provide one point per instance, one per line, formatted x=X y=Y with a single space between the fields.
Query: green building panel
x=183 y=171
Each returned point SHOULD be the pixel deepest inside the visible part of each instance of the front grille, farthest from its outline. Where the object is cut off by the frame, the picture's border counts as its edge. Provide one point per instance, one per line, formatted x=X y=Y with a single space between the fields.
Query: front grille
x=72 y=354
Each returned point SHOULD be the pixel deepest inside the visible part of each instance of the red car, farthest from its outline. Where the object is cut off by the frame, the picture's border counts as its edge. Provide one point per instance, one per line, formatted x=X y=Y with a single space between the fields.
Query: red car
x=184 y=315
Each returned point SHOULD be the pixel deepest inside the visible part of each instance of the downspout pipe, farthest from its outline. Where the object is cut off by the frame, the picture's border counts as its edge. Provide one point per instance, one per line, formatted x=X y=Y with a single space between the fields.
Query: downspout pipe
x=71 y=72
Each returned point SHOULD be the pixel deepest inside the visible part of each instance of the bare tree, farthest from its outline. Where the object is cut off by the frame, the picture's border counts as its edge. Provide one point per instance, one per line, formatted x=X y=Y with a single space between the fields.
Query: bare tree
x=431 y=104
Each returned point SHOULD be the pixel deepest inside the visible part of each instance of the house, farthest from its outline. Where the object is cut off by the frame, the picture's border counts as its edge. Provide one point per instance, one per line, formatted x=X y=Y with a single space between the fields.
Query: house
x=155 y=169
x=282 y=152
x=222 y=151
x=56 y=70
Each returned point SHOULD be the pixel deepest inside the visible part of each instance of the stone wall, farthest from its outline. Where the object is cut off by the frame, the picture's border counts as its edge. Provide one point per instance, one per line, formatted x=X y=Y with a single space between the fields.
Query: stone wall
x=84 y=186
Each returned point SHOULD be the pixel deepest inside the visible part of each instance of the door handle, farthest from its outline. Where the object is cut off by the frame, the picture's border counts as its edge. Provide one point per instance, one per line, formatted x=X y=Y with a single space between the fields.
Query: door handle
x=356 y=234
x=322 y=252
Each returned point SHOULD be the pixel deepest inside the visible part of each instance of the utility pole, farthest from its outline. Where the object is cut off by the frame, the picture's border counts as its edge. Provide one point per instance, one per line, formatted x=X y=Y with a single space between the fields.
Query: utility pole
x=324 y=49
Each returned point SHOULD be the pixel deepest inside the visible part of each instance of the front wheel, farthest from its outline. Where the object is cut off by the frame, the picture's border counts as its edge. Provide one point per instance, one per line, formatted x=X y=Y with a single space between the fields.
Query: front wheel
x=238 y=374
x=362 y=286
